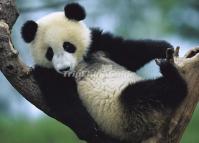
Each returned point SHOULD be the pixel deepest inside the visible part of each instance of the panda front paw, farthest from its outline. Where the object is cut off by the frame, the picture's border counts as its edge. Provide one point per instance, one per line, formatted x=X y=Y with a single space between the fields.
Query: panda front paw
x=167 y=66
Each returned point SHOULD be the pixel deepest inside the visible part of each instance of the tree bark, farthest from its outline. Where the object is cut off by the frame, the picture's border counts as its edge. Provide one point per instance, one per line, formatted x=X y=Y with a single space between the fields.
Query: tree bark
x=18 y=75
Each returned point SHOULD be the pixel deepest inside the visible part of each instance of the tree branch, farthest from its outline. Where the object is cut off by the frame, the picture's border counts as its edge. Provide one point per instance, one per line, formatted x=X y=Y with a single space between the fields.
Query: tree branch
x=17 y=74
x=11 y=66
x=189 y=67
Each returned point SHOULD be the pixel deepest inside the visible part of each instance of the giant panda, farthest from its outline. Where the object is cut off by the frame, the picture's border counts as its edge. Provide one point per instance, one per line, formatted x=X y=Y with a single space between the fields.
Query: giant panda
x=121 y=104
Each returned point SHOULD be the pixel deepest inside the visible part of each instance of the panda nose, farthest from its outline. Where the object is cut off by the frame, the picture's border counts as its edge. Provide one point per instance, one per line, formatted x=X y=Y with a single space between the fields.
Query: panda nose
x=64 y=69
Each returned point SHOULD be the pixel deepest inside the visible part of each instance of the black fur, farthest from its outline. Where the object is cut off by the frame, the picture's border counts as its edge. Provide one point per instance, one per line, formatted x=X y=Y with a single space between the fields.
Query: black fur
x=149 y=103
x=131 y=54
x=29 y=30
x=49 y=54
x=69 y=47
x=167 y=91
x=75 y=11
x=62 y=97
x=61 y=92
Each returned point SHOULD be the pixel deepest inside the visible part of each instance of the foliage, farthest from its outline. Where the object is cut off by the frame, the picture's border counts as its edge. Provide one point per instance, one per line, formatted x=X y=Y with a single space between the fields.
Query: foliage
x=43 y=130
x=191 y=133
x=47 y=130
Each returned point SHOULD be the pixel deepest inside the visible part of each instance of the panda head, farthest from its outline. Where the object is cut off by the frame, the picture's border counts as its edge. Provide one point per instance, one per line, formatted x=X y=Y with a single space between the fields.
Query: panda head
x=59 y=40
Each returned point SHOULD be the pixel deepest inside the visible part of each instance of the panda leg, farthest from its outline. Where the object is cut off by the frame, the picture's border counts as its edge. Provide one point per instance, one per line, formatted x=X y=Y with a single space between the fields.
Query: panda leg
x=132 y=54
x=167 y=67
x=169 y=90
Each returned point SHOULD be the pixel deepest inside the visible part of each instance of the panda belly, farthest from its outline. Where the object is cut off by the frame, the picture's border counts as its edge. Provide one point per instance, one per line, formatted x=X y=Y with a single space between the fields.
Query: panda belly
x=100 y=91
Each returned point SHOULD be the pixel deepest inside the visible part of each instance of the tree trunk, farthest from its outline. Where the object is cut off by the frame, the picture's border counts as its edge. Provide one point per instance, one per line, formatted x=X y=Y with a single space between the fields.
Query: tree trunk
x=18 y=75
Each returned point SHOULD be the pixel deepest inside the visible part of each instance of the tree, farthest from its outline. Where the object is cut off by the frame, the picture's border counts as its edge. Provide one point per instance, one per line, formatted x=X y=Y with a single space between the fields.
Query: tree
x=20 y=77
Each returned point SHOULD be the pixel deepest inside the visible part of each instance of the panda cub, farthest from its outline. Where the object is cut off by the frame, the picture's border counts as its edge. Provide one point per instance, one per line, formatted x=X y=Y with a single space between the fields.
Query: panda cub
x=126 y=109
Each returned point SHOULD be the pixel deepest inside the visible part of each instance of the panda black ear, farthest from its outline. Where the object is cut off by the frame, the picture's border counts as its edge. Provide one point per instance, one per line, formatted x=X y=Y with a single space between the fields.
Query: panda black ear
x=75 y=11
x=28 y=31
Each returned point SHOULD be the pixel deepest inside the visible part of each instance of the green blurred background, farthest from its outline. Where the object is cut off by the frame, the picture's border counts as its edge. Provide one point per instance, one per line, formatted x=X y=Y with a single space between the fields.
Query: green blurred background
x=174 y=20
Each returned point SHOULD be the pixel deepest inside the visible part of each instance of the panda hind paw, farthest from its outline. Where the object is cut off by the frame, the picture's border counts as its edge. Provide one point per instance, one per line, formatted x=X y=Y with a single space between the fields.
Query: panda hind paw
x=167 y=65
x=169 y=58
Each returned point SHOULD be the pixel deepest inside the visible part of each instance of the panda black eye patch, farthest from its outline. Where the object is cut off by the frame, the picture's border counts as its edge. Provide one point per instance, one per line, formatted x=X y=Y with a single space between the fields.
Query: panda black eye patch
x=49 y=54
x=68 y=47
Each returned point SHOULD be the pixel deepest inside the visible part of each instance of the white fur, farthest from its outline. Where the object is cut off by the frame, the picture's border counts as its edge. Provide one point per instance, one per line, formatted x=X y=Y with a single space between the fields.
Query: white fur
x=55 y=29
x=63 y=60
x=101 y=98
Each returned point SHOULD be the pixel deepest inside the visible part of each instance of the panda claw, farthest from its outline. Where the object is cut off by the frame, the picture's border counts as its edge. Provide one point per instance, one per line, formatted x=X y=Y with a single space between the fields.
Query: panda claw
x=161 y=62
x=26 y=72
x=170 y=53
x=176 y=52
x=158 y=61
